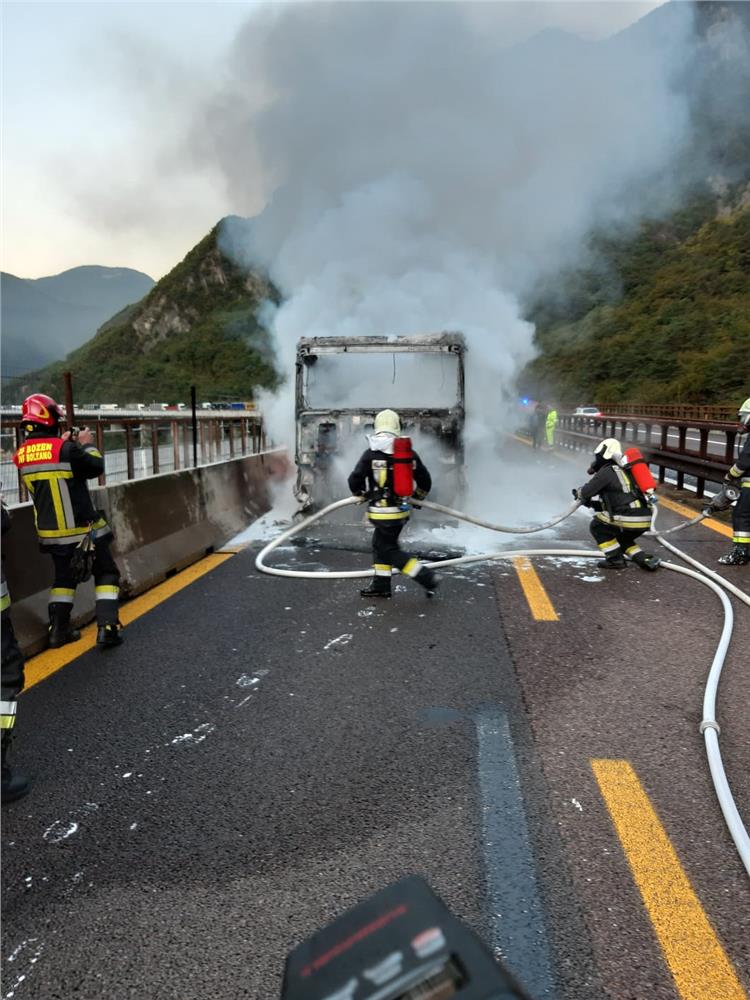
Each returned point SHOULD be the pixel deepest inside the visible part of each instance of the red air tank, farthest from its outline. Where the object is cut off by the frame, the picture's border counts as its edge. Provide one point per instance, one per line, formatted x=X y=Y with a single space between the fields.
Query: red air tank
x=637 y=466
x=403 y=464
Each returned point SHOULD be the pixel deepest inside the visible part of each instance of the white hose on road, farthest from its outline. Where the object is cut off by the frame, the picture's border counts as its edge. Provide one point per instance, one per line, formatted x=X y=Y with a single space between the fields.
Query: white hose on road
x=709 y=727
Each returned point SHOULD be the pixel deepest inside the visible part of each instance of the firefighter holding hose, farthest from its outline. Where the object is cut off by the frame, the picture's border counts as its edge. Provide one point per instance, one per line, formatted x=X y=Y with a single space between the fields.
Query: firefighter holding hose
x=387 y=474
x=623 y=512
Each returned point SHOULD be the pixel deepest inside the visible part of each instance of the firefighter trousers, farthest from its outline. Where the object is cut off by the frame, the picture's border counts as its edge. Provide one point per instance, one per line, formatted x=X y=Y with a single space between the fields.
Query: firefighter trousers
x=106 y=581
x=386 y=552
x=741 y=515
x=12 y=672
x=613 y=541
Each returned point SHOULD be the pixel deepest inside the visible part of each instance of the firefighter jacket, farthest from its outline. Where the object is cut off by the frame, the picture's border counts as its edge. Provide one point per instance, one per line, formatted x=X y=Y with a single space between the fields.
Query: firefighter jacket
x=620 y=501
x=739 y=474
x=55 y=472
x=373 y=477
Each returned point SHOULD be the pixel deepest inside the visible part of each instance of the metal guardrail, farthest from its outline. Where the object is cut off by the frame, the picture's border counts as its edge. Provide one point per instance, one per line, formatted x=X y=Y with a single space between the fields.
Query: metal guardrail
x=700 y=449
x=135 y=447
x=713 y=413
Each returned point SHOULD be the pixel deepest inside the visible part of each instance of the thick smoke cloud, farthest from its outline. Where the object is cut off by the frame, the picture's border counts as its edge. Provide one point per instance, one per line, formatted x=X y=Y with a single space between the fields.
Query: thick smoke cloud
x=426 y=177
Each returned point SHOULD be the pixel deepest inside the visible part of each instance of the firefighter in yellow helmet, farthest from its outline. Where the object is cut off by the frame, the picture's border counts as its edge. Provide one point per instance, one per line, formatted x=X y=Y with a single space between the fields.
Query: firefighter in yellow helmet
x=373 y=478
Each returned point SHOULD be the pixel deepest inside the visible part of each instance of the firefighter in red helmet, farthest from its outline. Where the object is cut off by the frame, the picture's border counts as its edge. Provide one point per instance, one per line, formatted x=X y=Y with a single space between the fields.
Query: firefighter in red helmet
x=55 y=468
x=388 y=510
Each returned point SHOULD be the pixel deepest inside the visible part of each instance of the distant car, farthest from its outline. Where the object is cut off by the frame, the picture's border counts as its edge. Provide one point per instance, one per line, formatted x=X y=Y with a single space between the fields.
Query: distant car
x=109 y=406
x=587 y=411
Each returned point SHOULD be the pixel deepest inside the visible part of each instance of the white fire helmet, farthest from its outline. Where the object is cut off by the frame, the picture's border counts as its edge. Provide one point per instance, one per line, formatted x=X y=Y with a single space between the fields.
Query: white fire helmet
x=609 y=448
x=388 y=420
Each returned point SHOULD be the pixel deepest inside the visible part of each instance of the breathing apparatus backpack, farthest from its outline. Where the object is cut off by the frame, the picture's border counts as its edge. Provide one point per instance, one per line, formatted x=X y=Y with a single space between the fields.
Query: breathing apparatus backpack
x=633 y=462
x=403 y=466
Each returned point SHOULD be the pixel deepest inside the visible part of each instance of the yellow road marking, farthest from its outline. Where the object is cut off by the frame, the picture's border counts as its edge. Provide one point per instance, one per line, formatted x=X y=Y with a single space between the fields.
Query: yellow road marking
x=688 y=512
x=533 y=589
x=693 y=953
x=38 y=668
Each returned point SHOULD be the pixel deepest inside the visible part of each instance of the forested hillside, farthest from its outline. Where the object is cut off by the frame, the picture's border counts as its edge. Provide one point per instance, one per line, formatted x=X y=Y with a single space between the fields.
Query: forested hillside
x=663 y=317
x=198 y=326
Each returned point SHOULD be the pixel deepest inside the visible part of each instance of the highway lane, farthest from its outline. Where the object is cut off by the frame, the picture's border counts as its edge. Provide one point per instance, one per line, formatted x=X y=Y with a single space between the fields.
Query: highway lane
x=265 y=752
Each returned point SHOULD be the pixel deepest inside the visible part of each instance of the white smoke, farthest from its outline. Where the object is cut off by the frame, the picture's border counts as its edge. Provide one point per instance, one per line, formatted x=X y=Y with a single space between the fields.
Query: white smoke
x=426 y=177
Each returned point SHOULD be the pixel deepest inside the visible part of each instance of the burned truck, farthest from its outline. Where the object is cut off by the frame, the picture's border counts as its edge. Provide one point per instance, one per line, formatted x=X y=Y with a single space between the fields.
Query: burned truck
x=342 y=382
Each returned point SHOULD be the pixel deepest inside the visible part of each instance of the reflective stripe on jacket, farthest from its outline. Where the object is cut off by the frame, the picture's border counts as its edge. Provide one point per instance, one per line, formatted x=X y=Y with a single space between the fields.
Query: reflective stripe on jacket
x=373 y=476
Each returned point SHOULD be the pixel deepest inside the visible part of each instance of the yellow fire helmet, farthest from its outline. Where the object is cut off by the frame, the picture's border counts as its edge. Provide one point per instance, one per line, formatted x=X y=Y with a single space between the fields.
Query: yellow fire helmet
x=388 y=420
x=744 y=413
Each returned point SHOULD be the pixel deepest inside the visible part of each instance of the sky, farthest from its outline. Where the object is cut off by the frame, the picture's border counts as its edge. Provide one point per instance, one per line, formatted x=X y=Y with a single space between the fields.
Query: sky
x=97 y=99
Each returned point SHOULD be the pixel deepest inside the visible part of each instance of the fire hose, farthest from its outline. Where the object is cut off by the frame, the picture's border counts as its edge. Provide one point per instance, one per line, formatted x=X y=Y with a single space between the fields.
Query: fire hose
x=709 y=727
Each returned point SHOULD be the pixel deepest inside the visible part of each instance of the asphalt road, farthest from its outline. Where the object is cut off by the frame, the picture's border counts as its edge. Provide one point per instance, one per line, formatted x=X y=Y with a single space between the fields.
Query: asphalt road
x=263 y=753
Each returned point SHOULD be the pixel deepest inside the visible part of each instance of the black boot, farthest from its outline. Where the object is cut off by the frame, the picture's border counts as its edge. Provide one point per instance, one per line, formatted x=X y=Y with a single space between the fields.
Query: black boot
x=646 y=561
x=14 y=786
x=380 y=586
x=613 y=562
x=739 y=556
x=428 y=579
x=61 y=631
x=109 y=634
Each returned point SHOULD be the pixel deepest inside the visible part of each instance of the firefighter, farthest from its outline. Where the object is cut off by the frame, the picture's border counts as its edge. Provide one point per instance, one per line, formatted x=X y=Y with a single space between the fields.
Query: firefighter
x=14 y=784
x=622 y=511
x=55 y=468
x=372 y=479
x=539 y=424
x=739 y=476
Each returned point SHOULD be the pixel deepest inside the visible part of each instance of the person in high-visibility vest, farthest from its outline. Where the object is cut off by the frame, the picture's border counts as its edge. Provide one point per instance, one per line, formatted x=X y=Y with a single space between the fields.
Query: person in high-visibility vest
x=55 y=469
x=739 y=475
x=550 y=425
x=14 y=784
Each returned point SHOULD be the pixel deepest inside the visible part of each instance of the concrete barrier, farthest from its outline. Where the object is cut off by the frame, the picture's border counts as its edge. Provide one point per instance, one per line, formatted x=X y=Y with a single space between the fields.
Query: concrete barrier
x=161 y=524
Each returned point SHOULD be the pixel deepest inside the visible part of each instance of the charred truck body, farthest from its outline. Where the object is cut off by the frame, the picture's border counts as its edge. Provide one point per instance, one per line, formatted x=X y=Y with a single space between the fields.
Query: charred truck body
x=342 y=382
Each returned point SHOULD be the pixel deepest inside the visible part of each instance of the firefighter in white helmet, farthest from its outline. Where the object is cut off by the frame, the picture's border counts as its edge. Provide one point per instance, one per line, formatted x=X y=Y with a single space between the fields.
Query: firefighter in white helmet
x=622 y=511
x=388 y=510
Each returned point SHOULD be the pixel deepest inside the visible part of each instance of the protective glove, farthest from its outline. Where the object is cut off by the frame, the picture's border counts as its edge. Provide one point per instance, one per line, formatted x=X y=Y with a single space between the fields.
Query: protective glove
x=418 y=495
x=652 y=499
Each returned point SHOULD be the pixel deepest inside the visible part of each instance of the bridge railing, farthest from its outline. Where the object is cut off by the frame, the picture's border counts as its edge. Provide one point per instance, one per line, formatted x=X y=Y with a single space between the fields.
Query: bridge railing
x=701 y=449
x=135 y=447
x=712 y=413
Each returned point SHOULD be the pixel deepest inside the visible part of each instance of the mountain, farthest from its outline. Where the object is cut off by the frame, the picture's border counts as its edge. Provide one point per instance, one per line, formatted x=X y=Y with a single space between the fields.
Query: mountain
x=663 y=317
x=199 y=325
x=663 y=314
x=45 y=318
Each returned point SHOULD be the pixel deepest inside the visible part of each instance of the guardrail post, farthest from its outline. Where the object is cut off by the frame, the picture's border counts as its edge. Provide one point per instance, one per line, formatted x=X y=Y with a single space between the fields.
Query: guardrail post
x=230 y=432
x=243 y=434
x=23 y=493
x=175 y=443
x=129 y=450
x=100 y=447
x=155 y=447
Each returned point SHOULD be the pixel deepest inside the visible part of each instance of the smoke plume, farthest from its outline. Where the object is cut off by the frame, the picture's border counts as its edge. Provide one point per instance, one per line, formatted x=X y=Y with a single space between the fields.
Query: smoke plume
x=426 y=176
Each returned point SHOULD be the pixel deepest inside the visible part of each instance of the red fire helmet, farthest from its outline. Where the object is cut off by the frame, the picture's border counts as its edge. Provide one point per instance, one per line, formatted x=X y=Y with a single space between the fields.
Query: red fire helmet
x=41 y=409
